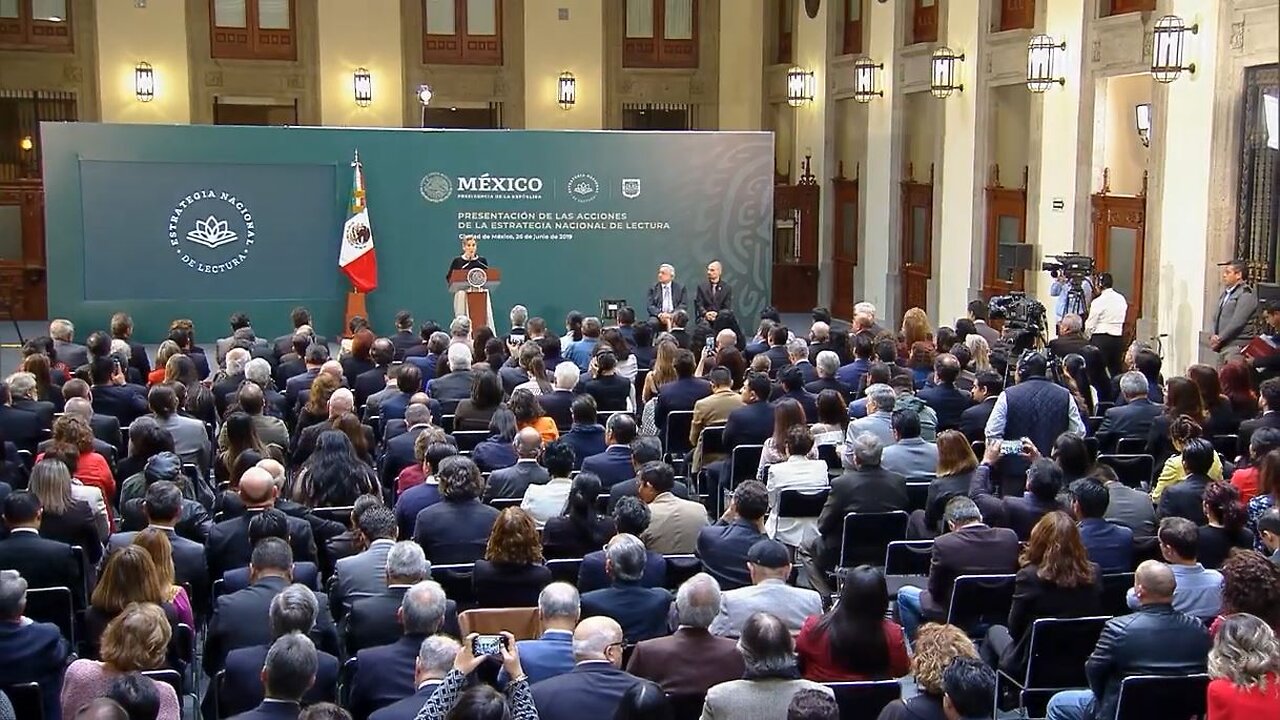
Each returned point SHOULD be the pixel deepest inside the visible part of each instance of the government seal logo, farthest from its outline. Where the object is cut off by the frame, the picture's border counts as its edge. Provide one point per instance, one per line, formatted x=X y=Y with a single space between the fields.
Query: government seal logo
x=583 y=187
x=211 y=231
x=435 y=187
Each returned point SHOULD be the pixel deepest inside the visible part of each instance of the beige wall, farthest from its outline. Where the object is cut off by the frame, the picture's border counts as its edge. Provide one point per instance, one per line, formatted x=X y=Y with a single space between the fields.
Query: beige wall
x=1010 y=130
x=552 y=46
x=156 y=34
x=1123 y=152
x=920 y=125
x=741 y=58
x=850 y=136
x=354 y=35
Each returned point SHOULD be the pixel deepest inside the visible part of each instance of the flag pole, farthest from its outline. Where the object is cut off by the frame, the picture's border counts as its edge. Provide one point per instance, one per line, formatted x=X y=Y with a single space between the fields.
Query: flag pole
x=355 y=299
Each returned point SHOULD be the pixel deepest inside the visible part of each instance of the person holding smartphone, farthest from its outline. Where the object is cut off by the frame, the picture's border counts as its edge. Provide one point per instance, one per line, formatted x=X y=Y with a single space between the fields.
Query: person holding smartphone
x=450 y=699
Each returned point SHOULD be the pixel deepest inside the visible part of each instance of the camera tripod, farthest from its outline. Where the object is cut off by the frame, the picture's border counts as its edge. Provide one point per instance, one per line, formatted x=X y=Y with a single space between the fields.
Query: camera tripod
x=1075 y=304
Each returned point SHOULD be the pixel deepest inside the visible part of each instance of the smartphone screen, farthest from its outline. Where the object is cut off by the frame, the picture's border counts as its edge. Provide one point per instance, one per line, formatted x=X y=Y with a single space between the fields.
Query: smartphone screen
x=487 y=645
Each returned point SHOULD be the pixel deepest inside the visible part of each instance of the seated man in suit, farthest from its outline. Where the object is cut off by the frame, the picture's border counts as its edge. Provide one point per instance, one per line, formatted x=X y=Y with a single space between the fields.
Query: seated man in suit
x=666 y=297
x=769 y=563
x=105 y=427
x=630 y=516
x=558 y=403
x=365 y=573
x=1070 y=338
x=681 y=393
x=1133 y=418
x=866 y=487
x=112 y=395
x=827 y=366
x=1126 y=506
x=68 y=352
x=409 y=385
x=240 y=619
x=595 y=687
x=292 y=362
x=584 y=435
x=385 y=674
x=294 y=610
x=614 y=464
x=644 y=449
x=559 y=608
x=723 y=547
x=1020 y=514
x=288 y=672
x=316 y=356
x=791 y=384
x=435 y=659
x=375 y=619
x=986 y=390
x=777 y=353
x=1269 y=403
x=673 y=523
x=798 y=358
x=1185 y=498
x=162 y=507
x=229 y=546
x=948 y=402
x=511 y=482
x=454 y=386
x=371 y=381
x=750 y=424
x=690 y=660
x=43 y=563
x=911 y=456
x=712 y=410
x=29 y=651
x=1110 y=545
x=713 y=302
x=641 y=611
x=969 y=548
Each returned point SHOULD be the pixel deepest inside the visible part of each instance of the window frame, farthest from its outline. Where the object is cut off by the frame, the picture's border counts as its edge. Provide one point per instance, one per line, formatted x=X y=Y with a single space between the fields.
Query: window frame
x=1017 y=14
x=20 y=33
x=1124 y=7
x=924 y=22
x=658 y=51
x=252 y=42
x=851 y=42
x=461 y=47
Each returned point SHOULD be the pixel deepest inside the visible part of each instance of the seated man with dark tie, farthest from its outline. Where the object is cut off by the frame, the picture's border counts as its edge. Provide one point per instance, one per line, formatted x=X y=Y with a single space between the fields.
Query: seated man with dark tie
x=435 y=660
x=713 y=302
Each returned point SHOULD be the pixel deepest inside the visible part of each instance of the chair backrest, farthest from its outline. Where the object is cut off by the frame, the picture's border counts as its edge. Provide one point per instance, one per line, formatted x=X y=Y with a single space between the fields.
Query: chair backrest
x=1092 y=446
x=1130 y=446
x=908 y=557
x=1092 y=423
x=456 y=581
x=866 y=536
x=469 y=439
x=1228 y=446
x=446 y=423
x=917 y=494
x=53 y=605
x=744 y=462
x=1058 y=651
x=173 y=679
x=980 y=600
x=26 y=699
x=1132 y=470
x=675 y=436
x=802 y=504
x=1103 y=407
x=565 y=569
x=681 y=568
x=501 y=503
x=712 y=440
x=829 y=455
x=337 y=513
x=641 y=376
x=864 y=700
x=1155 y=697
x=523 y=622
x=1115 y=587
x=687 y=707
x=346 y=674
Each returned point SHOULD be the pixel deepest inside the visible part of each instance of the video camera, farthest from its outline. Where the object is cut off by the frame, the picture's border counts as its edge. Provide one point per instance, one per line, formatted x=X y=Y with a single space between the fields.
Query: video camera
x=1072 y=265
x=1024 y=319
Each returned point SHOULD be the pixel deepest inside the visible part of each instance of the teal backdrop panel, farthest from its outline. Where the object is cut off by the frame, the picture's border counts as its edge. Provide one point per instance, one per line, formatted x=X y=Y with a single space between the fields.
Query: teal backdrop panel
x=201 y=221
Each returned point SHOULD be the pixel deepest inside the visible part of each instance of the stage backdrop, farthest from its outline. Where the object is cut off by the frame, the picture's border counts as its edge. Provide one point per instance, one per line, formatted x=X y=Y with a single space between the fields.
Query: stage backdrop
x=200 y=221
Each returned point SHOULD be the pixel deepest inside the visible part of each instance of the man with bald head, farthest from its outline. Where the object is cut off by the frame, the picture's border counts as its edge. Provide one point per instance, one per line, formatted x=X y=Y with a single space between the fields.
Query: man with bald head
x=252 y=401
x=595 y=687
x=1155 y=640
x=511 y=482
x=382 y=352
x=713 y=303
x=229 y=546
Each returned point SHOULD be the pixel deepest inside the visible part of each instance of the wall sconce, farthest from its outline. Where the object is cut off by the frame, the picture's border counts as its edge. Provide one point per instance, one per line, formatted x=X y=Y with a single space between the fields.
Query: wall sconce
x=800 y=86
x=866 y=78
x=363 y=86
x=144 y=82
x=1168 y=43
x=566 y=90
x=26 y=143
x=942 y=80
x=424 y=94
x=1042 y=51
x=1142 y=120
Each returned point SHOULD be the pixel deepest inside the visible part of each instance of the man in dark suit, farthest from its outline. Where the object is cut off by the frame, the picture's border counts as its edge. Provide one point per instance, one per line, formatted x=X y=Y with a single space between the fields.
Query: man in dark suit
x=316 y=356
x=595 y=687
x=298 y=317
x=303 y=573
x=408 y=390
x=752 y=423
x=294 y=362
x=29 y=651
x=777 y=352
x=22 y=393
x=113 y=396
x=1133 y=418
x=435 y=659
x=399 y=454
x=713 y=302
x=454 y=385
x=1155 y=640
x=690 y=660
x=289 y=670
x=163 y=509
x=43 y=563
x=973 y=421
x=385 y=674
x=404 y=337
x=631 y=516
x=293 y=610
x=65 y=350
x=978 y=313
x=371 y=381
x=791 y=385
x=641 y=611
x=105 y=427
x=1110 y=545
x=1269 y=402
x=375 y=619
x=1070 y=338
x=681 y=393
x=585 y=436
x=1185 y=499
x=18 y=426
x=558 y=404
x=666 y=297
x=230 y=381
x=1232 y=327
x=511 y=482
x=798 y=358
x=826 y=366
x=1020 y=514
x=241 y=618
x=229 y=546
x=723 y=547
x=970 y=548
x=614 y=464
x=947 y=402
x=644 y=449
x=864 y=488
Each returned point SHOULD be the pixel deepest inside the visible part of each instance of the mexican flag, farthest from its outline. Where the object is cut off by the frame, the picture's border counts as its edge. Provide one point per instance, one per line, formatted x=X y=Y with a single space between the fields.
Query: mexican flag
x=357 y=259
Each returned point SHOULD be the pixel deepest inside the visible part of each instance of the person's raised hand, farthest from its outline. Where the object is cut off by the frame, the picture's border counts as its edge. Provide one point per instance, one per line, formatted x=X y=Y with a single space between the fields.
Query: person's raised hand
x=466 y=662
x=991 y=454
x=510 y=656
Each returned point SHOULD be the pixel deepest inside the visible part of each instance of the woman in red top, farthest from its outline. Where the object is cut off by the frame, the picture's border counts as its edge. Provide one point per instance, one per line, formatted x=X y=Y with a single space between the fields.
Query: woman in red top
x=1245 y=478
x=90 y=468
x=1245 y=666
x=854 y=641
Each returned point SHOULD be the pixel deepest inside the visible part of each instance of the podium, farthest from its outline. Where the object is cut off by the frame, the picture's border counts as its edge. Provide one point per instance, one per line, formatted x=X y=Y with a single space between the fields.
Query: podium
x=475 y=283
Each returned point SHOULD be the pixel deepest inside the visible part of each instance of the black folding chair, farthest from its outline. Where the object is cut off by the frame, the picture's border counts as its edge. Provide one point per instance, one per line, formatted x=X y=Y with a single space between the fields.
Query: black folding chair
x=26 y=699
x=641 y=375
x=802 y=504
x=1135 y=471
x=1228 y=446
x=681 y=568
x=469 y=439
x=712 y=440
x=1155 y=697
x=336 y=513
x=346 y=674
x=743 y=463
x=1131 y=446
x=1103 y=407
x=501 y=503
x=687 y=707
x=1091 y=444
x=456 y=581
x=865 y=537
x=908 y=557
x=675 y=436
x=829 y=455
x=53 y=605
x=917 y=494
x=1092 y=423
x=565 y=569
x=173 y=679
x=1115 y=591
x=1056 y=656
x=446 y=423
x=864 y=700
x=980 y=601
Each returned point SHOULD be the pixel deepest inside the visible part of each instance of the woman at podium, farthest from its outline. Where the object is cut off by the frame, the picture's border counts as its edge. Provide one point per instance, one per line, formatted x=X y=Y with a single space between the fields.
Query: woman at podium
x=466 y=261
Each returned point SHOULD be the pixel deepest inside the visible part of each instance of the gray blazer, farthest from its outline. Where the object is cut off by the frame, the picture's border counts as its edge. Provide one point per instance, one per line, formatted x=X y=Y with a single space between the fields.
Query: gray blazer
x=365 y=572
x=911 y=458
x=792 y=605
x=1132 y=509
x=766 y=699
x=72 y=354
x=511 y=482
x=190 y=439
x=1234 y=315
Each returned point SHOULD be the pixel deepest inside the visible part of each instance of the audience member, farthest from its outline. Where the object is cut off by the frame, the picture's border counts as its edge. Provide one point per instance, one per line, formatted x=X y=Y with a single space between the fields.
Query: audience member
x=710 y=411
x=129 y=577
x=1133 y=419
x=156 y=542
x=936 y=648
x=229 y=546
x=511 y=573
x=1130 y=507
x=415 y=499
x=456 y=529
x=288 y=671
x=769 y=564
x=1020 y=514
x=65 y=517
x=1108 y=544
x=42 y=562
x=374 y=620
x=691 y=660
x=1246 y=476
x=559 y=609
x=969 y=690
x=547 y=499
x=909 y=455
x=644 y=450
x=585 y=436
x=1198 y=591
x=640 y=610
x=723 y=546
x=135 y=639
x=580 y=529
x=386 y=674
x=630 y=516
x=1185 y=498
x=956 y=466
x=595 y=686
x=614 y=464
x=29 y=651
x=945 y=399
x=436 y=657
x=865 y=487
x=771 y=677
x=511 y=482
x=1225 y=527
x=1035 y=408
x=1244 y=663
x=1251 y=584
x=986 y=391
x=364 y=573
x=878 y=420
x=854 y=641
x=812 y=704
x=674 y=524
x=136 y=694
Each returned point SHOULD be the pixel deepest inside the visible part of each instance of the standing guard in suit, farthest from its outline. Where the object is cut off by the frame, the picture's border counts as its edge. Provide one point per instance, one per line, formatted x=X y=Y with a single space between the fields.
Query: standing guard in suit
x=666 y=297
x=1232 y=321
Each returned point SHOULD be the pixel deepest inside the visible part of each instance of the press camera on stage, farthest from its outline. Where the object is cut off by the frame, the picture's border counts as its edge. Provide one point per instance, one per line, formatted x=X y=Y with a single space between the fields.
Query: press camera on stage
x=1024 y=319
x=1071 y=265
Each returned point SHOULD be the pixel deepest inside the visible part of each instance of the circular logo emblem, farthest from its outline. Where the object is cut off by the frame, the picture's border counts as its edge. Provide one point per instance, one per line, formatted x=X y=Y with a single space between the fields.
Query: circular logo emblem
x=211 y=231
x=477 y=277
x=358 y=236
x=583 y=187
x=435 y=187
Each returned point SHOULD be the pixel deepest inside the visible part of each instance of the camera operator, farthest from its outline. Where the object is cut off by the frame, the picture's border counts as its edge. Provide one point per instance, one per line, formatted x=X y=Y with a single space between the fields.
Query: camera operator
x=1060 y=289
x=1105 y=325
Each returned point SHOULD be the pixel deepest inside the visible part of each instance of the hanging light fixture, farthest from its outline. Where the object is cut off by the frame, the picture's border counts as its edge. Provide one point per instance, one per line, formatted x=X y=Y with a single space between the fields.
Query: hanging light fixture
x=144 y=82
x=943 y=78
x=800 y=86
x=424 y=94
x=1042 y=53
x=866 y=79
x=363 y=86
x=1142 y=121
x=566 y=90
x=1168 y=46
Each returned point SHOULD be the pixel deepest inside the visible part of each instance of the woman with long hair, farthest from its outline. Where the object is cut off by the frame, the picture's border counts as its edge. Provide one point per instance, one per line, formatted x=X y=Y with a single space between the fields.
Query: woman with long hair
x=535 y=366
x=238 y=435
x=91 y=469
x=1244 y=663
x=67 y=518
x=156 y=542
x=1181 y=431
x=39 y=367
x=136 y=639
x=198 y=401
x=1221 y=418
x=130 y=576
x=920 y=362
x=1074 y=367
x=334 y=475
x=479 y=342
x=833 y=420
x=348 y=424
x=164 y=353
x=529 y=413
x=1237 y=384
x=915 y=328
x=956 y=464
x=732 y=359
x=1225 y=527
x=1181 y=399
x=854 y=641
x=787 y=413
x=613 y=339
x=663 y=370
x=1056 y=581
x=581 y=529
x=359 y=360
x=1245 y=478
x=316 y=409
x=474 y=412
x=1250 y=584
x=1268 y=494
x=512 y=573
x=495 y=452
x=980 y=352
